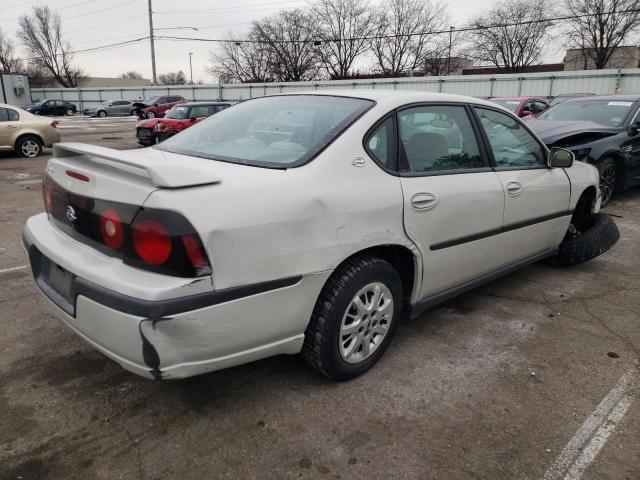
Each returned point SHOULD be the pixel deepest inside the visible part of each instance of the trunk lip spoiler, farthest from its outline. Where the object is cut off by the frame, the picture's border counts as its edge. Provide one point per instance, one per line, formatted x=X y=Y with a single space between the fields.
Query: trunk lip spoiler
x=162 y=172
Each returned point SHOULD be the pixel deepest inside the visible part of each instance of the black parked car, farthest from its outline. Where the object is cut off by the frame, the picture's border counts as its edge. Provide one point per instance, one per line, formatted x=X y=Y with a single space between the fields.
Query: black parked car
x=602 y=130
x=52 y=107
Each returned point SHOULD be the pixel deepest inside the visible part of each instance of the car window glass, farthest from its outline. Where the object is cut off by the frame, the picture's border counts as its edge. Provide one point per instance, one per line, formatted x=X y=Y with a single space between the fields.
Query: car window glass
x=511 y=143
x=13 y=115
x=162 y=100
x=528 y=106
x=539 y=107
x=380 y=144
x=51 y=103
x=610 y=113
x=200 y=111
x=437 y=138
x=4 y=115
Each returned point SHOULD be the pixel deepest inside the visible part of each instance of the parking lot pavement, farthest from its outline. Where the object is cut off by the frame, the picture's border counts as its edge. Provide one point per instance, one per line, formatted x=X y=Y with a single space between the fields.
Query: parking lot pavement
x=532 y=376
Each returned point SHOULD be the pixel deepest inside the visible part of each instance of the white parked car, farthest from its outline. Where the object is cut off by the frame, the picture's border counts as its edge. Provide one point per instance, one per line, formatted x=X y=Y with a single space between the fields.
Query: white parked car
x=301 y=223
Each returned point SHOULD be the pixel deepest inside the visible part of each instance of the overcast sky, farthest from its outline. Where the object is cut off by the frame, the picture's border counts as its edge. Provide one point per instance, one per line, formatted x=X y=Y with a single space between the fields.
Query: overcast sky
x=92 y=23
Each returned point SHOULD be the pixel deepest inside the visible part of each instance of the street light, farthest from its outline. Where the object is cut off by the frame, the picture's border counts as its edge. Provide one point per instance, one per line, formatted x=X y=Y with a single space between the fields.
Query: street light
x=191 y=67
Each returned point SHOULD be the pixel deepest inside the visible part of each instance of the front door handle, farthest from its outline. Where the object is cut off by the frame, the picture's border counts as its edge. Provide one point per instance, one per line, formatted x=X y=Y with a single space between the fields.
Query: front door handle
x=424 y=201
x=514 y=188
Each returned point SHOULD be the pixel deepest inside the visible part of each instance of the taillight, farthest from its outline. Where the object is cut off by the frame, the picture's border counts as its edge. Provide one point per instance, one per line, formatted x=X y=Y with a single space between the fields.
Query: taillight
x=54 y=124
x=77 y=175
x=111 y=229
x=151 y=242
x=195 y=254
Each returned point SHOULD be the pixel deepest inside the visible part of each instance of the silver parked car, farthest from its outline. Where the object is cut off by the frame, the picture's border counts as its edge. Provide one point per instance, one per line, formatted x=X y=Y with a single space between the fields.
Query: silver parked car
x=111 y=108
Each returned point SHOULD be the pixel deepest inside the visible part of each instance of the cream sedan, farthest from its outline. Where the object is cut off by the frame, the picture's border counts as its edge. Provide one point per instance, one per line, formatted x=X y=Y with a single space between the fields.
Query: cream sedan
x=25 y=133
x=304 y=223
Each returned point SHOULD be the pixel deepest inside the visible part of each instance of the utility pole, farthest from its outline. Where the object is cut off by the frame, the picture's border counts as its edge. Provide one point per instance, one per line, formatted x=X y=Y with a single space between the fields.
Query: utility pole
x=191 y=67
x=448 y=55
x=153 y=49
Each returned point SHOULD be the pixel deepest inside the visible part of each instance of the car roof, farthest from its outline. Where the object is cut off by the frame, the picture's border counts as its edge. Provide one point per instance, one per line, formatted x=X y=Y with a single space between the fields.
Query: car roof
x=517 y=98
x=195 y=104
x=394 y=97
x=612 y=98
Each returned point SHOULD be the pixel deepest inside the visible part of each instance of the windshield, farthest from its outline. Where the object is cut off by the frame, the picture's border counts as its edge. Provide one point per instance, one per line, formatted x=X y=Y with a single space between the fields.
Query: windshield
x=150 y=100
x=276 y=131
x=178 y=112
x=610 y=113
x=511 y=105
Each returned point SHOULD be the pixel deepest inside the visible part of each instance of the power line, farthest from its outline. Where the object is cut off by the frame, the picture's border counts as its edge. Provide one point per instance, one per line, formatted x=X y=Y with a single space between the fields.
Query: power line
x=101 y=47
x=83 y=14
x=394 y=35
x=222 y=9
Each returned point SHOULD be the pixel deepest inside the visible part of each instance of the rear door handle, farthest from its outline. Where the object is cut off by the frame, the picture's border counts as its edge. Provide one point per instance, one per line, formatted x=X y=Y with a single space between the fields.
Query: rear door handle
x=514 y=188
x=424 y=201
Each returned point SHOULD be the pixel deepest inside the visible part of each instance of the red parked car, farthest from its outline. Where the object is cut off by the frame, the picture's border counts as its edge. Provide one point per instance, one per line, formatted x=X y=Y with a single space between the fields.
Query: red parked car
x=158 y=108
x=180 y=117
x=522 y=106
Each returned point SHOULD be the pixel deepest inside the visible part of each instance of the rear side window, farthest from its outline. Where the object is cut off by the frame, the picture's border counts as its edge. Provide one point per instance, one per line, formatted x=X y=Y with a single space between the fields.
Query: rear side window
x=437 y=138
x=512 y=145
x=8 y=115
x=380 y=144
x=279 y=131
x=202 y=111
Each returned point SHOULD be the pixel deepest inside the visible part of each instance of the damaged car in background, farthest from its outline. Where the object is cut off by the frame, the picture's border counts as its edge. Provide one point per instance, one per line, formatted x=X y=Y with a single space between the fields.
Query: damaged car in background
x=302 y=223
x=601 y=130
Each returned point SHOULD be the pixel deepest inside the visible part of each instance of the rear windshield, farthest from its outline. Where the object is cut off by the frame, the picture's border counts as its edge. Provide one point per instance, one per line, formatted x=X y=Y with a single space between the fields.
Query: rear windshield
x=511 y=105
x=610 y=113
x=280 y=131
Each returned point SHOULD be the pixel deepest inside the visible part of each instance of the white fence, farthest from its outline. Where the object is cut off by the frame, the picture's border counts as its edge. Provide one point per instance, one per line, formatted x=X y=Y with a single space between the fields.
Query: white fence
x=538 y=84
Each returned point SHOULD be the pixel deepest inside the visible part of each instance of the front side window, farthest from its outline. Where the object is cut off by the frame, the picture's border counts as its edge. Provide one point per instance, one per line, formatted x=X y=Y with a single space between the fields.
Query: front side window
x=437 y=139
x=279 y=131
x=511 y=143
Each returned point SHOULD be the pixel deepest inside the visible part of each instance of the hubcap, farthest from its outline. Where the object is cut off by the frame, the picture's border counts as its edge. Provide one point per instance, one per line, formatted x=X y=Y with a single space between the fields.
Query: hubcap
x=608 y=182
x=30 y=148
x=151 y=115
x=69 y=112
x=366 y=322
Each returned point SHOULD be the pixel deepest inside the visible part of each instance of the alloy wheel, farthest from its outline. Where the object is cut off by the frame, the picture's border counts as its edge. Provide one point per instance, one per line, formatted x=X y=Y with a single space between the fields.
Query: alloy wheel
x=151 y=115
x=608 y=182
x=30 y=148
x=366 y=322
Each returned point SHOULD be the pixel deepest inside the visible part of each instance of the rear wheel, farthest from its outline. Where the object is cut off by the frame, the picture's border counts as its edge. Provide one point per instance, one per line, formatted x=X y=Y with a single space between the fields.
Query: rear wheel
x=70 y=112
x=29 y=146
x=608 y=179
x=151 y=114
x=354 y=318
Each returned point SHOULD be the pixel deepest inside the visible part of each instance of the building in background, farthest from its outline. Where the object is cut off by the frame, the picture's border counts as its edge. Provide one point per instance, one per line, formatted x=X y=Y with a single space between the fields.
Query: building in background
x=623 y=57
x=14 y=89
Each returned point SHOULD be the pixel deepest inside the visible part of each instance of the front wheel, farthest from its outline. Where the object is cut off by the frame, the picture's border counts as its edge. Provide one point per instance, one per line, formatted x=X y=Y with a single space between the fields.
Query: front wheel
x=608 y=179
x=102 y=114
x=70 y=112
x=151 y=115
x=354 y=318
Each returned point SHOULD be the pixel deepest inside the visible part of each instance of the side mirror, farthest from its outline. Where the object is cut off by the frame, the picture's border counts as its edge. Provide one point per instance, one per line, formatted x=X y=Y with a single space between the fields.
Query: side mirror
x=560 y=158
x=634 y=128
x=526 y=113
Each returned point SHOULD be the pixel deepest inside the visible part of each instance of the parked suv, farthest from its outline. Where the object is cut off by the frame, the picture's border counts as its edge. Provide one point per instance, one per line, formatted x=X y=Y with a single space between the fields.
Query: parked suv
x=304 y=223
x=162 y=105
x=52 y=107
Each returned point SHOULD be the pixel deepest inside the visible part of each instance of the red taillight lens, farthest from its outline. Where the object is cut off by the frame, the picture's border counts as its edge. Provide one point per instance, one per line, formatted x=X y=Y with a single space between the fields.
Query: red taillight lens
x=54 y=124
x=196 y=256
x=111 y=229
x=152 y=242
x=47 y=193
x=77 y=175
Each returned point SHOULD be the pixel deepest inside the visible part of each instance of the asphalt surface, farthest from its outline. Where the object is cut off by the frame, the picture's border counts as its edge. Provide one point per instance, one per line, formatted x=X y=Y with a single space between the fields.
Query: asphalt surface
x=501 y=383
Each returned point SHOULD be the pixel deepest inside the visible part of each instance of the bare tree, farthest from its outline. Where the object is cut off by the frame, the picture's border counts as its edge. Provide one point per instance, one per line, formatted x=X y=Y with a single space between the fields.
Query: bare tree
x=512 y=34
x=173 y=78
x=246 y=61
x=8 y=60
x=343 y=28
x=41 y=34
x=599 y=27
x=403 y=33
x=289 y=35
x=38 y=76
x=441 y=53
x=132 y=75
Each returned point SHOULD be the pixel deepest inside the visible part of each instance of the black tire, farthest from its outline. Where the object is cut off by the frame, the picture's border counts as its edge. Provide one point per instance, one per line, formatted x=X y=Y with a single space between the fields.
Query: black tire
x=29 y=146
x=102 y=113
x=70 y=112
x=608 y=179
x=595 y=234
x=320 y=349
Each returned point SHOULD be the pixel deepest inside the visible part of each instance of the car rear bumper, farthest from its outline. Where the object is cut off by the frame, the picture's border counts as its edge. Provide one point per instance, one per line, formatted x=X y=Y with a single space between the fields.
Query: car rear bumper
x=172 y=337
